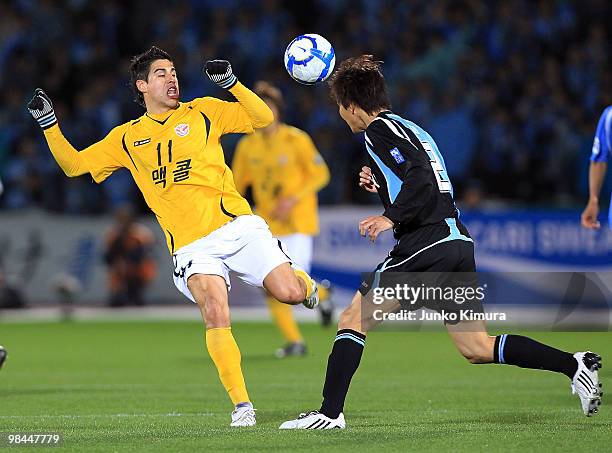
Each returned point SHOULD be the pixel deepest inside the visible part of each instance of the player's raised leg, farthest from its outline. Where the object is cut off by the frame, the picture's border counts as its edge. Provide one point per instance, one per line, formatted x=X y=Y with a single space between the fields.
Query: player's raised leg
x=210 y=293
x=291 y=286
x=477 y=346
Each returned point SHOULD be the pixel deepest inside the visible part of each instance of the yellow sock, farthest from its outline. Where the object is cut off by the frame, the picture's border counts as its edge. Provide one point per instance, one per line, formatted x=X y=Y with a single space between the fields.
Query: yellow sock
x=283 y=317
x=306 y=279
x=225 y=354
x=323 y=293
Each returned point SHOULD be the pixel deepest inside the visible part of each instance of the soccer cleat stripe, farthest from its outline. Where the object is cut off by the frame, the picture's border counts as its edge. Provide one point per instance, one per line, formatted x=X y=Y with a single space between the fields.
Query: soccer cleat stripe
x=584 y=382
x=317 y=424
x=312 y=424
x=586 y=375
x=320 y=425
x=327 y=423
x=348 y=336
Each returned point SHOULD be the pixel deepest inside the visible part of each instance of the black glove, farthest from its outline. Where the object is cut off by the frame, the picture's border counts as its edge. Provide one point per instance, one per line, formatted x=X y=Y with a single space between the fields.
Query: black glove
x=220 y=72
x=41 y=109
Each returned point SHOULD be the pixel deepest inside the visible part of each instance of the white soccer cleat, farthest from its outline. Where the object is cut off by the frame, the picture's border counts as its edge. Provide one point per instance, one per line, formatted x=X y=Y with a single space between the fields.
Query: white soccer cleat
x=315 y=420
x=243 y=416
x=313 y=300
x=586 y=382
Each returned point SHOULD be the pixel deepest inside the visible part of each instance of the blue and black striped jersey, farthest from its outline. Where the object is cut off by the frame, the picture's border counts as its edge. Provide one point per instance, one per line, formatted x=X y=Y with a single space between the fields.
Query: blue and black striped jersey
x=408 y=168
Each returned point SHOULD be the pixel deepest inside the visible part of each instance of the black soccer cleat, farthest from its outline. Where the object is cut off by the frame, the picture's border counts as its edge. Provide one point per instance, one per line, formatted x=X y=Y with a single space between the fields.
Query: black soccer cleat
x=291 y=349
x=326 y=305
x=3 y=355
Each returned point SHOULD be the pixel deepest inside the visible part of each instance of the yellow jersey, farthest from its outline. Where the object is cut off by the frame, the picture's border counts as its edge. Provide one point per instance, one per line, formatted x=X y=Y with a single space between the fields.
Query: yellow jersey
x=176 y=160
x=282 y=163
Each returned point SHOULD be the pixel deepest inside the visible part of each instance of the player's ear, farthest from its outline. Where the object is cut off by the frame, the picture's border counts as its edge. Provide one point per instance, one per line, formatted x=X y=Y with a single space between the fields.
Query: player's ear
x=141 y=85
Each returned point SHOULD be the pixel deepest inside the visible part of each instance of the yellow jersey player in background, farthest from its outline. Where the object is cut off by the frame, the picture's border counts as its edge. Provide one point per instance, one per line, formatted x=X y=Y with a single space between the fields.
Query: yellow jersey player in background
x=175 y=157
x=285 y=171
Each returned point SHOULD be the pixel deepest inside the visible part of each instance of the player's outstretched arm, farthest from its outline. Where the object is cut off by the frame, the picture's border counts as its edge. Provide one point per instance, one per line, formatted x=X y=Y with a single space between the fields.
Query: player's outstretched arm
x=220 y=72
x=99 y=159
x=66 y=156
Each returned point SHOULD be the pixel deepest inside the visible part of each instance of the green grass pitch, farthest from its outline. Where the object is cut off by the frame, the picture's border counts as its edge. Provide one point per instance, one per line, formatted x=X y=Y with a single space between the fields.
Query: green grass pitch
x=150 y=386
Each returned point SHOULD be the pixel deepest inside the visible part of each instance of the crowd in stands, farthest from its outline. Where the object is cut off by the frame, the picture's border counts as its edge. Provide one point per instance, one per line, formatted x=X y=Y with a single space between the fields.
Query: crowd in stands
x=511 y=91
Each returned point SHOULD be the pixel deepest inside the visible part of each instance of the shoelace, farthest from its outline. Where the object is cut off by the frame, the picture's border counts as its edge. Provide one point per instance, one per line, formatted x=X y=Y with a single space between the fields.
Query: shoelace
x=308 y=414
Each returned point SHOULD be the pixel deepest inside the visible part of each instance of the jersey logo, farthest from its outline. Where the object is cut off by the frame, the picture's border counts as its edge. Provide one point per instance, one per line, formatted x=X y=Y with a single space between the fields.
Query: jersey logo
x=596 y=147
x=144 y=141
x=181 y=129
x=397 y=155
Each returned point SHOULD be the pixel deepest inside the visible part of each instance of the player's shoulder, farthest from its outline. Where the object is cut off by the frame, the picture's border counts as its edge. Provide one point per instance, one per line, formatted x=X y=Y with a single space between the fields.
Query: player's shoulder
x=292 y=132
x=607 y=113
x=206 y=102
x=380 y=125
x=119 y=131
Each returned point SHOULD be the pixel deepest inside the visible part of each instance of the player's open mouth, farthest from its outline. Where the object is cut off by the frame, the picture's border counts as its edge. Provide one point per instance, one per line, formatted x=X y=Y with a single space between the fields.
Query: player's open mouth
x=172 y=92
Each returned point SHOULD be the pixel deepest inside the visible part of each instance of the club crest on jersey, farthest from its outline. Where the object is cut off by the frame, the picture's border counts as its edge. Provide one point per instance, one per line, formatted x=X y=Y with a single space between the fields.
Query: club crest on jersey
x=144 y=141
x=397 y=155
x=181 y=129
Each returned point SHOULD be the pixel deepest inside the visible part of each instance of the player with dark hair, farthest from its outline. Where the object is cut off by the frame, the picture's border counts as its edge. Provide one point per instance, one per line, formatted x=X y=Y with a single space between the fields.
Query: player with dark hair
x=175 y=157
x=285 y=171
x=408 y=173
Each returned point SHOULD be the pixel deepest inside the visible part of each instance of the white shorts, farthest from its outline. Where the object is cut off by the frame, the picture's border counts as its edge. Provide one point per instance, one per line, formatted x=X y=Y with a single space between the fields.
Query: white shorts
x=244 y=246
x=299 y=247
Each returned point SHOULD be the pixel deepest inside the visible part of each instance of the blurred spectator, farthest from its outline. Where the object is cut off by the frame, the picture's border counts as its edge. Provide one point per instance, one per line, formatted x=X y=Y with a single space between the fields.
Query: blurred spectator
x=510 y=90
x=128 y=257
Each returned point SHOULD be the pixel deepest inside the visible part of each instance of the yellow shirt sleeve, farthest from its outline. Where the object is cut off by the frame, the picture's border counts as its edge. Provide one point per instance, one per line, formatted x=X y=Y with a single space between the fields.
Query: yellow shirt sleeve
x=240 y=167
x=100 y=159
x=315 y=168
x=249 y=113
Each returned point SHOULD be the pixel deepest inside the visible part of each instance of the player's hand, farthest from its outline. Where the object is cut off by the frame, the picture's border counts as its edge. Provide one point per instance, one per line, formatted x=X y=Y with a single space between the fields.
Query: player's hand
x=367 y=181
x=41 y=109
x=220 y=72
x=589 y=216
x=283 y=208
x=374 y=225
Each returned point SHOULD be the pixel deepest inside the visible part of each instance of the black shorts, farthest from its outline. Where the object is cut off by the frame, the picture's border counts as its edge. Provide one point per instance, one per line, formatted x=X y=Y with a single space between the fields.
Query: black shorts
x=451 y=256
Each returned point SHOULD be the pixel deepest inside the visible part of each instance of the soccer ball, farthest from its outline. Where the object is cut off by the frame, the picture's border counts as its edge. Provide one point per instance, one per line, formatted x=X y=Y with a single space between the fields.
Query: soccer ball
x=309 y=59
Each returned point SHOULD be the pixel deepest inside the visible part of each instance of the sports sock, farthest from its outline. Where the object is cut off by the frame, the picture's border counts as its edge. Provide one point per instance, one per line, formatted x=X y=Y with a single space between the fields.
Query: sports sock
x=283 y=317
x=306 y=279
x=527 y=353
x=323 y=293
x=341 y=366
x=225 y=354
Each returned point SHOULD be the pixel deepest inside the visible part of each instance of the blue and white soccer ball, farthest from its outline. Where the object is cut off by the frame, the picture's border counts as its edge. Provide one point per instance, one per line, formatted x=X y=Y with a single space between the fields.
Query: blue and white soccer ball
x=310 y=59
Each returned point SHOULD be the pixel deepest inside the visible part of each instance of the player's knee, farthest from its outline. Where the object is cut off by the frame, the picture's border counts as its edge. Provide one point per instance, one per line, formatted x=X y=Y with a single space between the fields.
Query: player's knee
x=215 y=312
x=290 y=293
